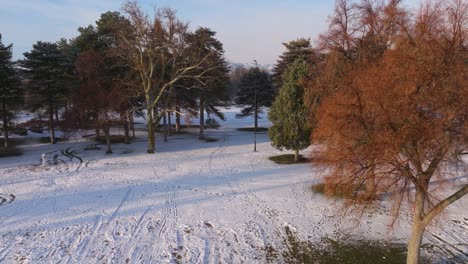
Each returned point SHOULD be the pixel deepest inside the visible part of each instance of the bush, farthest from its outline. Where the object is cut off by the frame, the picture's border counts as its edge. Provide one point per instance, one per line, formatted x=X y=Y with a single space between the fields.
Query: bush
x=252 y=129
x=210 y=139
x=355 y=192
x=46 y=140
x=114 y=139
x=10 y=152
x=212 y=123
x=36 y=130
x=288 y=159
x=20 y=131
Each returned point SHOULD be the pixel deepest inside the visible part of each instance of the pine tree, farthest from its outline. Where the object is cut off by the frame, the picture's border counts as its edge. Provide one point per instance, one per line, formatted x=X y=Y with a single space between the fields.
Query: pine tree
x=255 y=91
x=290 y=129
x=212 y=89
x=11 y=94
x=296 y=49
x=46 y=68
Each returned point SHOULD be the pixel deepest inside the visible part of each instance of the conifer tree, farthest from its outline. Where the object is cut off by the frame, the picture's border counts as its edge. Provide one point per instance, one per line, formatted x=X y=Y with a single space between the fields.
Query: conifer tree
x=11 y=94
x=255 y=91
x=46 y=68
x=296 y=49
x=212 y=88
x=288 y=112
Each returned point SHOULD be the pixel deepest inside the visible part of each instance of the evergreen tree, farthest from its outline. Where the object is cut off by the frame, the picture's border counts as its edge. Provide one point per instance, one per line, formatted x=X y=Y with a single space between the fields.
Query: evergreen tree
x=296 y=49
x=46 y=68
x=11 y=94
x=290 y=129
x=255 y=91
x=212 y=88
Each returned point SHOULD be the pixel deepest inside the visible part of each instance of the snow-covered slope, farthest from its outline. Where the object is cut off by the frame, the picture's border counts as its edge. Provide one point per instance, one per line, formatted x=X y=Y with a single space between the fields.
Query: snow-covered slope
x=191 y=202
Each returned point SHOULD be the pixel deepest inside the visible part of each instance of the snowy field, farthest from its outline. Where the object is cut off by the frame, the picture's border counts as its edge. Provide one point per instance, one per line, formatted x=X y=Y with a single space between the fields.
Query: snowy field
x=191 y=202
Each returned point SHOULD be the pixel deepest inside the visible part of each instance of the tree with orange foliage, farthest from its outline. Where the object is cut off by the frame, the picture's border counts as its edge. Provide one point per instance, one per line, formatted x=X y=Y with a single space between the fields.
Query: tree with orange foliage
x=97 y=91
x=395 y=120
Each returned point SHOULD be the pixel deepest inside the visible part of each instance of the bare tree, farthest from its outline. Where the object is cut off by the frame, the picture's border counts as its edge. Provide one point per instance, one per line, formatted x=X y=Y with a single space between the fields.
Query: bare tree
x=154 y=49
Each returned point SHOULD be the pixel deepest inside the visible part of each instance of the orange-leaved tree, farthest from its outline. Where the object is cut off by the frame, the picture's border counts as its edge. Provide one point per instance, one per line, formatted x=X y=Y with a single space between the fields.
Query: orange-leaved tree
x=395 y=120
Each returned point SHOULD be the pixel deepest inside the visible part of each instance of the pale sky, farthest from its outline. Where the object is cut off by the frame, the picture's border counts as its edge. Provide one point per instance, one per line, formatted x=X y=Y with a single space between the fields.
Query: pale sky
x=249 y=29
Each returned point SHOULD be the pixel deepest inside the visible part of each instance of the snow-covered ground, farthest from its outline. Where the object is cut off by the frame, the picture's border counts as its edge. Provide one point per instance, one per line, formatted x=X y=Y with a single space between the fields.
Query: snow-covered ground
x=191 y=202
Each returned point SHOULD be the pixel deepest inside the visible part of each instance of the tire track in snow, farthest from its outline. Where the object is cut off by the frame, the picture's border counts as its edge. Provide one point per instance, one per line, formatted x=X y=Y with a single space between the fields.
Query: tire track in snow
x=122 y=202
x=138 y=234
x=457 y=249
x=83 y=249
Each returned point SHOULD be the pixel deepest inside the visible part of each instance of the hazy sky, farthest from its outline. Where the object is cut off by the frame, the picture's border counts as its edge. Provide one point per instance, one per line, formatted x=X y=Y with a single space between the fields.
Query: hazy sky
x=249 y=29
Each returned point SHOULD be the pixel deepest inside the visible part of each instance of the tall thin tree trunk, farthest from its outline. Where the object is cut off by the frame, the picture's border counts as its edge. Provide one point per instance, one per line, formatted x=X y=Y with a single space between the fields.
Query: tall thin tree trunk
x=169 y=123
x=201 y=135
x=126 y=128
x=417 y=229
x=51 y=124
x=296 y=154
x=96 y=124
x=177 y=115
x=165 y=126
x=132 y=124
x=56 y=114
x=5 y=125
x=150 y=124
x=108 y=139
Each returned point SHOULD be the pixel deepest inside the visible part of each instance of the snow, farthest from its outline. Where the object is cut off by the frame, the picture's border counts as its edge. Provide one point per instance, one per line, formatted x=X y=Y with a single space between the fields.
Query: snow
x=191 y=202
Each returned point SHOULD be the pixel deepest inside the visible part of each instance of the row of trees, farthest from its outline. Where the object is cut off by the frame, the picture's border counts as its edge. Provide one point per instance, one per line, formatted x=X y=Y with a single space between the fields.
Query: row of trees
x=385 y=101
x=128 y=63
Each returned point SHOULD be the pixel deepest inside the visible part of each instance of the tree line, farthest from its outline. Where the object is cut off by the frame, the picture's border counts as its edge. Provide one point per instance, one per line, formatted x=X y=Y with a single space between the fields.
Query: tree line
x=127 y=64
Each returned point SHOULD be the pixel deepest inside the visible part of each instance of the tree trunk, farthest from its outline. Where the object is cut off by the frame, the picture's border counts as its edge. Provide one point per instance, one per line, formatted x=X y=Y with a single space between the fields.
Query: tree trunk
x=127 y=128
x=177 y=117
x=56 y=114
x=150 y=125
x=296 y=154
x=5 y=125
x=165 y=127
x=51 y=124
x=201 y=135
x=417 y=229
x=96 y=123
x=132 y=124
x=169 y=123
x=108 y=139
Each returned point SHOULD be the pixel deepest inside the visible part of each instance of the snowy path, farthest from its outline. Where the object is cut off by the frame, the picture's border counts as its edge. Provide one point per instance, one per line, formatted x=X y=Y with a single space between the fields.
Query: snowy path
x=192 y=202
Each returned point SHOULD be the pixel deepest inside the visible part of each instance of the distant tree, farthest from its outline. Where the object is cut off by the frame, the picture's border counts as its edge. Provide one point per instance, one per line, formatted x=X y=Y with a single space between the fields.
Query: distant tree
x=288 y=113
x=296 y=49
x=235 y=76
x=46 y=68
x=255 y=91
x=396 y=119
x=11 y=93
x=212 y=88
